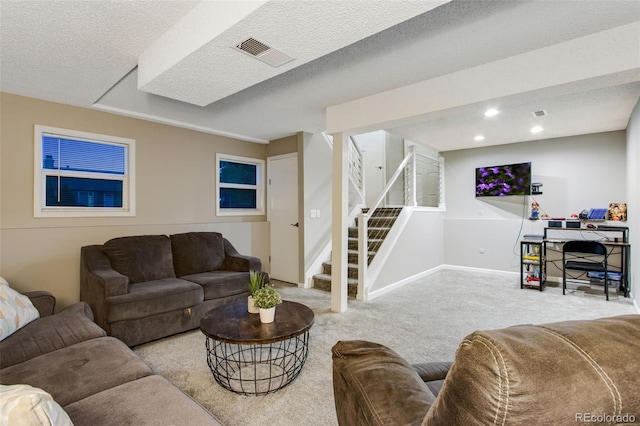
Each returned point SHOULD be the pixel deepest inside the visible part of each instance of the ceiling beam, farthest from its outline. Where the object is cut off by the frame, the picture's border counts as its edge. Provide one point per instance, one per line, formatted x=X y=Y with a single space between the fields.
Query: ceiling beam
x=598 y=60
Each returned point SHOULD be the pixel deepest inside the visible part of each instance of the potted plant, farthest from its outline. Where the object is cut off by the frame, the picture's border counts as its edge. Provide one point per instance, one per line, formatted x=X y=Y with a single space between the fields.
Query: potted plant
x=256 y=282
x=266 y=299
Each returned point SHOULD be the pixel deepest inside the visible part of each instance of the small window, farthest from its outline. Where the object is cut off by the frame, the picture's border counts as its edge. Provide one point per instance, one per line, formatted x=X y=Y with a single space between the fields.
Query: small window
x=240 y=186
x=79 y=174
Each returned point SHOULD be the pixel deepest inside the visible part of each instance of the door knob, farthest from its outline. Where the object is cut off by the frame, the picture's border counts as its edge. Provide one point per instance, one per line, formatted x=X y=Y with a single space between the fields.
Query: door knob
x=297 y=224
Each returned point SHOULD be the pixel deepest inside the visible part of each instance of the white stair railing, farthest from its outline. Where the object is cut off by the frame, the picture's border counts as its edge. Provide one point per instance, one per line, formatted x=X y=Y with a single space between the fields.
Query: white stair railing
x=356 y=168
x=356 y=164
x=419 y=186
x=423 y=186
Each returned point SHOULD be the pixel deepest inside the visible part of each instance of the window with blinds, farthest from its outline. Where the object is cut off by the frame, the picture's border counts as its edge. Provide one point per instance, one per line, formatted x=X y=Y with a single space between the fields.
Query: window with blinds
x=240 y=186
x=82 y=174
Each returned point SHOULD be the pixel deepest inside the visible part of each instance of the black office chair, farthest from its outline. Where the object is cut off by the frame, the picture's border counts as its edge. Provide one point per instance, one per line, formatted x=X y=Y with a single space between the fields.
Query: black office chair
x=584 y=256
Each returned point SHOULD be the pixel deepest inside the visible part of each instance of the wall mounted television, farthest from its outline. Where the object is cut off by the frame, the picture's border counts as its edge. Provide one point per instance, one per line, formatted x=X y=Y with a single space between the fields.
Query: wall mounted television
x=501 y=181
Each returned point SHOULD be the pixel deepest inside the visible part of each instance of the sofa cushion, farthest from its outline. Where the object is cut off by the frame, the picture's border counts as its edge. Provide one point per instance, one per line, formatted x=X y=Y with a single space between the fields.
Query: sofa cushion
x=141 y=258
x=29 y=406
x=78 y=371
x=545 y=374
x=154 y=297
x=195 y=252
x=152 y=400
x=16 y=310
x=219 y=284
x=70 y=326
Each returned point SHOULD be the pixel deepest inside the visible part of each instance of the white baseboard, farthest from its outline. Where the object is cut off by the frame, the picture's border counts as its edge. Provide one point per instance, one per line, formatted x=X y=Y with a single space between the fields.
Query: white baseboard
x=316 y=266
x=372 y=295
x=325 y=254
x=482 y=270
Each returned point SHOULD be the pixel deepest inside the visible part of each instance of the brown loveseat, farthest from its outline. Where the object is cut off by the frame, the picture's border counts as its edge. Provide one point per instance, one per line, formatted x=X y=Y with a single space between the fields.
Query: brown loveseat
x=96 y=379
x=563 y=373
x=143 y=288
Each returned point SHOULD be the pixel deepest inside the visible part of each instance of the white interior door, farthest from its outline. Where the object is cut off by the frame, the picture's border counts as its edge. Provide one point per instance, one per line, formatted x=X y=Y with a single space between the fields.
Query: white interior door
x=372 y=146
x=282 y=213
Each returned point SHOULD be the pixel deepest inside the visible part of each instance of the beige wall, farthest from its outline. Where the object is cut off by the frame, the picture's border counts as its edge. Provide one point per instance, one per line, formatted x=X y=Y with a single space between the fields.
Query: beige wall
x=282 y=146
x=175 y=192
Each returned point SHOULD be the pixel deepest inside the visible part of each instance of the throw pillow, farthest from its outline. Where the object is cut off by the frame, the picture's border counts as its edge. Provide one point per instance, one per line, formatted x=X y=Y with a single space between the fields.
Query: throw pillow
x=29 y=406
x=16 y=310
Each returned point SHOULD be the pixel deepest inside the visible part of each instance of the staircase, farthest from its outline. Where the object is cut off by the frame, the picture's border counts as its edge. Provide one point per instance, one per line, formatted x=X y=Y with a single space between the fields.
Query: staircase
x=379 y=225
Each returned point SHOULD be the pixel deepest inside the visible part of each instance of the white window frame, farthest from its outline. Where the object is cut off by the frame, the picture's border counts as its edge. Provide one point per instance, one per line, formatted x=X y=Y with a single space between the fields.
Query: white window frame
x=259 y=187
x=41 y=210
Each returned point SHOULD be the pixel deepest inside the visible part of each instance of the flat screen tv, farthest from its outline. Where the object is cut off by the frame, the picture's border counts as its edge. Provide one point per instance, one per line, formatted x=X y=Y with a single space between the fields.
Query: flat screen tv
x=500 y=181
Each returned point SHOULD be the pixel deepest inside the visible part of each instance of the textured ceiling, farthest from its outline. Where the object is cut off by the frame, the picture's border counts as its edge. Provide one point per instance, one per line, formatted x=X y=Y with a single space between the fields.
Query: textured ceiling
x=205 y=68
x=88 y=54
x=75 y=51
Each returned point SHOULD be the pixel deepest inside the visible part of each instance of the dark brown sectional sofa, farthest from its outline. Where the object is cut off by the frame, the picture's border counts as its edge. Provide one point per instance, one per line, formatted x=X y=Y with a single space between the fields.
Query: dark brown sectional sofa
x=96 y=379
x=143 y=288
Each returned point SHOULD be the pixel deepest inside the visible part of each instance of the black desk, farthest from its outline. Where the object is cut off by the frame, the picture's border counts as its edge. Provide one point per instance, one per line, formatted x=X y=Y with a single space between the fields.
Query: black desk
x=612 y=237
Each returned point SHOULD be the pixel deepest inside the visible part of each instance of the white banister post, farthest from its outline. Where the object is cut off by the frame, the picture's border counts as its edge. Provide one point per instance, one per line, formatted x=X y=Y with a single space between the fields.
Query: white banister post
x=441 y=180
x=363 y=255
x=363 y=182
x=414 y=183
x=339 y=216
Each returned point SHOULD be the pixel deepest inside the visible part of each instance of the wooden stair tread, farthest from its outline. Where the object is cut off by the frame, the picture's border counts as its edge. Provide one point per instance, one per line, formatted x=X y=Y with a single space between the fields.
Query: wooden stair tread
x=327 y=277
x=376 y=235
x=350 y=265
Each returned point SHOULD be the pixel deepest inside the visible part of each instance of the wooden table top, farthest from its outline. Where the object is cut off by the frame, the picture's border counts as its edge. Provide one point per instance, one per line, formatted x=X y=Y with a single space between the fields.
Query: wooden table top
x=232 y=323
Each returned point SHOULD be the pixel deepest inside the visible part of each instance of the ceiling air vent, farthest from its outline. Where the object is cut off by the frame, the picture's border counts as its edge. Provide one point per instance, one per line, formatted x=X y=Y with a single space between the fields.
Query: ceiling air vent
x=262 y=52
x=540 y=113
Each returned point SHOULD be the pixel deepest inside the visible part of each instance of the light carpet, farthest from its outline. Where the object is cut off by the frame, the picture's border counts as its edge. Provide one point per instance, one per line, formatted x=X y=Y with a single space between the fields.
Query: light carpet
x=423 y=321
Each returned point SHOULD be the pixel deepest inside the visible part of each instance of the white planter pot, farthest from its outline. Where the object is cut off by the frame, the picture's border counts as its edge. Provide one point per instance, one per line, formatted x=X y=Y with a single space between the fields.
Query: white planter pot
x=251 y=307
x=267 y=315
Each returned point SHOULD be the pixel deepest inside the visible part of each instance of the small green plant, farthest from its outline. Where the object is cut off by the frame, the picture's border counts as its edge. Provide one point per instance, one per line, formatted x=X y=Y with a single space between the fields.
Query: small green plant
x=267 y=297
x=256 y=281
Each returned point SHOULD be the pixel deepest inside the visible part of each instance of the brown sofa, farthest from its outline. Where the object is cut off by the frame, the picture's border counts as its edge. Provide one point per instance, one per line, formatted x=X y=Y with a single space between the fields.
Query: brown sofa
x=96 y=379
x=143 y=288
x=563 y=373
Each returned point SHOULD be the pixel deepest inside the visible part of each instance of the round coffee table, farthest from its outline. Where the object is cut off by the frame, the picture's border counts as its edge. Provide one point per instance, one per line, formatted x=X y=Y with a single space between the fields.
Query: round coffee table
x=251 y=358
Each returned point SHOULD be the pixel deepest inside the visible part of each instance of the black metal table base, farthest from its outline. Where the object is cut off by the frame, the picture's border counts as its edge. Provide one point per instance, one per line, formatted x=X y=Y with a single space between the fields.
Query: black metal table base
x=257 y=369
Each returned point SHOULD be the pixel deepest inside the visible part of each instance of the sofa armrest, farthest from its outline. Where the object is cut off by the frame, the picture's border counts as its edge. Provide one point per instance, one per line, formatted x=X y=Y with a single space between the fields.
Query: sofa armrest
x=373 y=385
x=113 y=283
x=234 y=261
x=430 y=371
x=44 y=301
x=96 y=274
x=79 y=309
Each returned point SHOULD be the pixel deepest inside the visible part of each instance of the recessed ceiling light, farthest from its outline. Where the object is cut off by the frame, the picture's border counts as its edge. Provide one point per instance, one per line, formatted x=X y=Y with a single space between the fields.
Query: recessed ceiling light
x=478 y=138
x=536 y=129
x=491 y=112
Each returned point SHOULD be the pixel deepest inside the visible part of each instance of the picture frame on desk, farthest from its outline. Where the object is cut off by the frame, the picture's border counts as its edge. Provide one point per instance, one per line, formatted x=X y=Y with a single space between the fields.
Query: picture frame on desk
x=617 y=212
